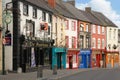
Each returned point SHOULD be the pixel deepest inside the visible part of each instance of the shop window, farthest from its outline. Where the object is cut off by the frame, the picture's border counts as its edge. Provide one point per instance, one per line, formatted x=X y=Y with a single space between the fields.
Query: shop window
x=46 y=58
x=25 y=9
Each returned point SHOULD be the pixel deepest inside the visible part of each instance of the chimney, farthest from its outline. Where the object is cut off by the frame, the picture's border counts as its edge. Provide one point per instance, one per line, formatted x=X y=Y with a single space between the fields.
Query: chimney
x=88 y=9
x=72 y=2
x=52 y=3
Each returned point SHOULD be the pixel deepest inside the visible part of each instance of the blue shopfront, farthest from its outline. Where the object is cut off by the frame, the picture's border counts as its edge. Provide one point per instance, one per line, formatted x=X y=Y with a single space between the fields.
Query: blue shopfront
x=59 y=57
x=85 y=59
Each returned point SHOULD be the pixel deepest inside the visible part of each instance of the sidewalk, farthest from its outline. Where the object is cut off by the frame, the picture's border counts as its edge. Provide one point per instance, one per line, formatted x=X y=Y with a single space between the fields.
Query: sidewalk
x=47 y=74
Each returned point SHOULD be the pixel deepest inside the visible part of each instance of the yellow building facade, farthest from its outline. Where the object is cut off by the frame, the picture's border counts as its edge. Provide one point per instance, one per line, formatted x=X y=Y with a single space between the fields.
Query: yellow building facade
x=0 y=36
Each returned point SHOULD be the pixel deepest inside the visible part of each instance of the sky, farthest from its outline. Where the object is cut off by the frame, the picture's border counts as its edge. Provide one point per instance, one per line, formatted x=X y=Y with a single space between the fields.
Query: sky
x=110 y=8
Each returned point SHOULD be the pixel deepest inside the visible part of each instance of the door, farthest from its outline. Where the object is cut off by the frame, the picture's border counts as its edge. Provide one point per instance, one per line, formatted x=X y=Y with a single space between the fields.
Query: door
x=59 y=60
x=70 y=62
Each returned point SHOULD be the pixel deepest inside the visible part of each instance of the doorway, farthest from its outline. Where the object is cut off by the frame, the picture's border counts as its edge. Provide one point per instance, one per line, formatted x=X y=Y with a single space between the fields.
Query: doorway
x=59 y=60
x=70 y=62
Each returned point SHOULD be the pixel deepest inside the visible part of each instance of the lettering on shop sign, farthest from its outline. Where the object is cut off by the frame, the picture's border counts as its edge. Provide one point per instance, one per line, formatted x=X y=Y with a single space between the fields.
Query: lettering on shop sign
x=44 y=45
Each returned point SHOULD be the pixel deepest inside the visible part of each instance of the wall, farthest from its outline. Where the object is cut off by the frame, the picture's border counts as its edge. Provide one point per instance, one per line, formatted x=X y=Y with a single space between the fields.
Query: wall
x=111 y=40
x=0 y=35
x=58 y=31
x=71 y=33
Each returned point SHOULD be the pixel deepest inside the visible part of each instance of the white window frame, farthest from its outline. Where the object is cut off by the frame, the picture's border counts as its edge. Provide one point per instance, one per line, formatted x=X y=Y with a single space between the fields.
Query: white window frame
x=98 y=29
x=93 y=29
x=103 y=43
x=99 y=42
x=93 y=43
x=103 y=30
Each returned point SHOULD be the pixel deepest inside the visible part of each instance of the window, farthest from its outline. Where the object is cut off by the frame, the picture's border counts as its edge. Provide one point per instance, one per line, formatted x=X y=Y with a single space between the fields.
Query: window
x=93 y=43
x=50 y=18
x=99 y=43
x=73 y=42
x=67 y=41
x=48 y=30
x=25 y=9
x=30 y=28
x=66 y=25
x=43 y=16
x=73 y=26
x=81 y=41
x=103 y=43
x=114 y=36
x=110 y=34
x=87 y=42
x=98 y=29
x=81 y=27
x=86 y=27
x=34 y=13
x=94 y=29
x=103 y=30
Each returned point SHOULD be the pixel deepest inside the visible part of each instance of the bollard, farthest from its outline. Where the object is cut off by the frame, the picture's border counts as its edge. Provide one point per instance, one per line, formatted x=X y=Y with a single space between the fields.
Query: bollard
x=55 y=70
x=39 y=72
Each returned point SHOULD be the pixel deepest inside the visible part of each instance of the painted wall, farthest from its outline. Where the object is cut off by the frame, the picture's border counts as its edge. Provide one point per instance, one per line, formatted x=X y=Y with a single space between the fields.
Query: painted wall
x=58 y=30
x=37 y=20
x=101 y=36
x=70 y=33
x=112 y=38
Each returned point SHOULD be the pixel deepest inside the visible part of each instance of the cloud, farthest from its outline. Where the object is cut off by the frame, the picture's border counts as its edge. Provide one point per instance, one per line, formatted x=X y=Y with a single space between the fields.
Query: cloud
x=103 y=6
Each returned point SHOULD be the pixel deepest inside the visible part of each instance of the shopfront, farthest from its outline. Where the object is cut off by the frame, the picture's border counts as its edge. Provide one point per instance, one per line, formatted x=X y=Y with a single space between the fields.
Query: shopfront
x=34 y=53
x=72 y=58
x=98 y=58
x=112 y=59
x=85 y=59
x=59 y=57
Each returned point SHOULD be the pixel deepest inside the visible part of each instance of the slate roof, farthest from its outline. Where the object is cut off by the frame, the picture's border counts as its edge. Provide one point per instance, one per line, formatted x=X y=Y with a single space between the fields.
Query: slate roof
x=91 y=18
x=103 y=19
x=61 y=9
x=79 y=15
x=40 y=3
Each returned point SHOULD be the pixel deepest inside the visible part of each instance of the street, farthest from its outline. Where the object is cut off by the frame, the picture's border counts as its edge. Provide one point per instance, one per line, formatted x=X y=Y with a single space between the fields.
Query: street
x=101 y=74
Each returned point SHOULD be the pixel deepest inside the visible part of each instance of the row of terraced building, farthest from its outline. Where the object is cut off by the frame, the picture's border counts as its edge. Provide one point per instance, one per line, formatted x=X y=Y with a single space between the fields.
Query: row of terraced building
x=54 y=33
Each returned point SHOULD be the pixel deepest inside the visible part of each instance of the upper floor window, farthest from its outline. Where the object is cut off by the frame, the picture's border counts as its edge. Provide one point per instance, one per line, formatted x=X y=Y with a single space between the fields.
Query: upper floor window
x=73 y=42
x=50 y=18
x=103 y=30
x=81 y=27
x=98 y=43
x=87 y=42
x=67 y=41
x=34 y=13
x=110 y=34
x=73 y=26
x=94 y=29
x=114 y=36
x=103 y=43
x=66 y=25
x=93 y=43
x=43 y=16
x=30 y=26
x=98 y=29
x=25 y=9
x=87 y=28
x=81 y=41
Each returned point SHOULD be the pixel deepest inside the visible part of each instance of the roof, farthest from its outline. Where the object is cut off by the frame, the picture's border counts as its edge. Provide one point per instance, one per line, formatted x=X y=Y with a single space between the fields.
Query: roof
x=41 y=4
x=61 y=9
x=103 y=19
x=91 y=18
x=78 y=14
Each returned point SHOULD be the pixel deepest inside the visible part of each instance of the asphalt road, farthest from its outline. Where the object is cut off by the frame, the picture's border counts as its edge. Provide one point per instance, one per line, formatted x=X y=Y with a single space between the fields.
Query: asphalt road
x=100 y=74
